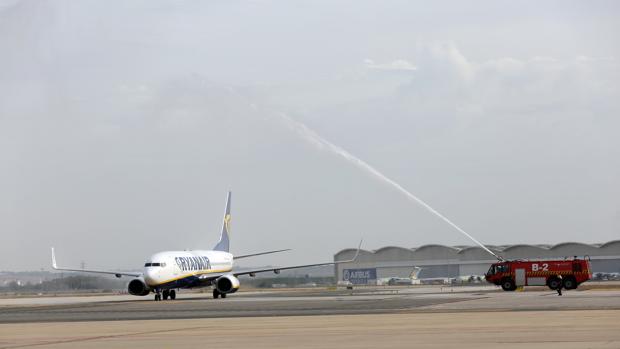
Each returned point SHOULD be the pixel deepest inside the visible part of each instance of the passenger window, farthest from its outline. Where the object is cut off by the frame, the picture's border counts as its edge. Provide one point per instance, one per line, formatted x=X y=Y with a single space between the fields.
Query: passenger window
x=147 y=264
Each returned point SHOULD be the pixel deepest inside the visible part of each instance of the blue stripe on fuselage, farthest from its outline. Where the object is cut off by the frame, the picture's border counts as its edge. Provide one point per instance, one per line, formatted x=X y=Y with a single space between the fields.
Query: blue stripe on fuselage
x=186 y=282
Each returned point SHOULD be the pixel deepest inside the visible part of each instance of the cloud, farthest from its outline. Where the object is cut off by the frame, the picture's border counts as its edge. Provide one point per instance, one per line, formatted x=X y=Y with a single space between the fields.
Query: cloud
x=396 y=65
x=446 y=79
x=101 y=116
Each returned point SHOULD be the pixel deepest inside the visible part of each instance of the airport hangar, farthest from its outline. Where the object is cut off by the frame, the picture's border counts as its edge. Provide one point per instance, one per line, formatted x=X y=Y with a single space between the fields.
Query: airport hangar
x=438 y=261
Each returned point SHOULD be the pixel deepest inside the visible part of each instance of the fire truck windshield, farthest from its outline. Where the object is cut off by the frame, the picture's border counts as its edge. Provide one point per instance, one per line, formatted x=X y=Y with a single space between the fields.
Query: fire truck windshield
x=499 y=268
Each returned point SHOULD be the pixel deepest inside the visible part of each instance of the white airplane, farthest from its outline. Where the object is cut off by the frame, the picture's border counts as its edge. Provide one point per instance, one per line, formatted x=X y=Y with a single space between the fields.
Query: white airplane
x=167 y=271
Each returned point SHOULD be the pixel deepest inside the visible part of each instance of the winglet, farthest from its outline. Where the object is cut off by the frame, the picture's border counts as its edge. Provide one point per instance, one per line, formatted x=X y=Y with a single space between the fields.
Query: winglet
x=357 y=253
x=359 y=247
x=54 y=265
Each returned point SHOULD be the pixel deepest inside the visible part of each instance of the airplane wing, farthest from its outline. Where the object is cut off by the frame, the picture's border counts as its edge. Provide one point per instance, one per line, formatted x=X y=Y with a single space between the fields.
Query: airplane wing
x=260 y=253
x=278 y=269
x=118 y=274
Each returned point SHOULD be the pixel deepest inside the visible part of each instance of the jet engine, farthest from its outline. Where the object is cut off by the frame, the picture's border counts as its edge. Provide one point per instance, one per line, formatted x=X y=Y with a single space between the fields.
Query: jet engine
x=137 y=287
x=227 y=284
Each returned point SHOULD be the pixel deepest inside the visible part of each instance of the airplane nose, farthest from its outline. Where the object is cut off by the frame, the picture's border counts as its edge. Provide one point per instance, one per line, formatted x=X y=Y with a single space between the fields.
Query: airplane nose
x=150 y=276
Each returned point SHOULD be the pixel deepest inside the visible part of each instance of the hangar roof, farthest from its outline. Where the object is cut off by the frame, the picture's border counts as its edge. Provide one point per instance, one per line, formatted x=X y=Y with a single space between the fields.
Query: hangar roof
x=539 y=250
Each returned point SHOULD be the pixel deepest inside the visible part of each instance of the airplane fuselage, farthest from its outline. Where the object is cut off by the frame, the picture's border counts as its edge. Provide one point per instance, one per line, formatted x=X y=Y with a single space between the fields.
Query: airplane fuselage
x=184 y=269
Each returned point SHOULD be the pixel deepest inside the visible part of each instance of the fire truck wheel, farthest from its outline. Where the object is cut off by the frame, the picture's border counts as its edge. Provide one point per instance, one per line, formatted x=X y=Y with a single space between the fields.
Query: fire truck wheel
x=554 y=283
x=508 y=285
x=570 y=283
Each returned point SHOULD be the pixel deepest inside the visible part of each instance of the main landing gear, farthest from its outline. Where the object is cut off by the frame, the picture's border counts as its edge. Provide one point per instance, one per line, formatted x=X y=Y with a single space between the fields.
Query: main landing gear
x=165 y=294
x=170 y=293
x=217 y=294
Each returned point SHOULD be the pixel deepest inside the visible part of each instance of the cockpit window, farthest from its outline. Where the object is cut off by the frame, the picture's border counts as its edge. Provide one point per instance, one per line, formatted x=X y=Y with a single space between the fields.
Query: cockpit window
x=501 y=268
x=155 y=264
x=496 y=269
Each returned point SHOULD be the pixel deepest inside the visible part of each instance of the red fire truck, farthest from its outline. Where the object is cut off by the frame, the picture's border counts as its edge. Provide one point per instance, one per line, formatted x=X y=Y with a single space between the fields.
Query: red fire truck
x=567 y=273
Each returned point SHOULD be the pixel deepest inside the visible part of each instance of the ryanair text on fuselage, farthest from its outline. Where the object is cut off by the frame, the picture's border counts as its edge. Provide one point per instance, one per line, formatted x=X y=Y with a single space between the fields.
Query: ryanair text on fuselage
x=193 y=263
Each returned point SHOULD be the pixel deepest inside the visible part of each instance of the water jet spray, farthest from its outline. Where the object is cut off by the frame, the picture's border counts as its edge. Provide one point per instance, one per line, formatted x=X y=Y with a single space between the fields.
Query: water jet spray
x=312 y=137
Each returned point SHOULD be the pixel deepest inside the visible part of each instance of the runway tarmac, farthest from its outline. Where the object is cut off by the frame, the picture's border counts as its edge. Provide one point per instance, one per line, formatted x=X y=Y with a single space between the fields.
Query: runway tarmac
x=318 y=302
x=430 y=317
x=480 y=330
x=297 y=303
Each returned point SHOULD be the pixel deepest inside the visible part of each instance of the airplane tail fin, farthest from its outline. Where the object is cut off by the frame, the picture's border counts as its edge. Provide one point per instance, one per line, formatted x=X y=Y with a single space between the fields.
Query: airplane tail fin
x=224 y=243
x=415 y=273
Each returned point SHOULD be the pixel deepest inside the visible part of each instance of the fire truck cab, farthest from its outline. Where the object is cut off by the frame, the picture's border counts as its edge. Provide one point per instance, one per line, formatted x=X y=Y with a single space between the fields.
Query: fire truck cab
x=567 y=273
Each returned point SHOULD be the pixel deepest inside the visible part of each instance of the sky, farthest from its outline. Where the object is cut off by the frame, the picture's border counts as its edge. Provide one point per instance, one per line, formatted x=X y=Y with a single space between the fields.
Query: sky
x=124 y=123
